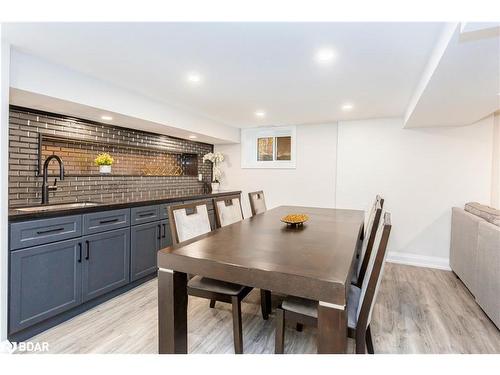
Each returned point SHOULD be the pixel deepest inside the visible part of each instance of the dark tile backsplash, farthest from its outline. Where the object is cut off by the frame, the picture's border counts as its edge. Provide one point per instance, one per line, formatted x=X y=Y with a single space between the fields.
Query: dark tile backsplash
x=25 y=186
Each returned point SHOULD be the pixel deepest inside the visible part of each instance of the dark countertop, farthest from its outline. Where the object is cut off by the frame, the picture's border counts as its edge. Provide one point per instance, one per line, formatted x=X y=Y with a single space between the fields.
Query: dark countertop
x=15 y=215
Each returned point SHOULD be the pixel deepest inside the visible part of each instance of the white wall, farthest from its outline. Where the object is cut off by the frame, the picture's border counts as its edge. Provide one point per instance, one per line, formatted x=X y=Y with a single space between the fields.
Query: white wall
x=421 y=173
x=495 y=173
x=312 y=183
x=4 y=156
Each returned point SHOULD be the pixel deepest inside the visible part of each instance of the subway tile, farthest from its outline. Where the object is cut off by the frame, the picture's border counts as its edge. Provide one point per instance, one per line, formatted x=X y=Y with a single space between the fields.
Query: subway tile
x=24 y=128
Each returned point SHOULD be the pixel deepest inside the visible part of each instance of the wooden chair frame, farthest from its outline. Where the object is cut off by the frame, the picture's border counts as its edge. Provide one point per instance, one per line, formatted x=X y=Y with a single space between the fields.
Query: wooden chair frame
x=171 y=217
x=225 y=199
x=265 y=295
x=362 y=332
x=234 y=300
x=252 y=207
x=379 y=204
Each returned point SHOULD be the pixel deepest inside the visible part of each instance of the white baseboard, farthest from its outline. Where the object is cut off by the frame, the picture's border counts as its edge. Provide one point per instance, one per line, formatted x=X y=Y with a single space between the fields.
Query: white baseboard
x=419 y=260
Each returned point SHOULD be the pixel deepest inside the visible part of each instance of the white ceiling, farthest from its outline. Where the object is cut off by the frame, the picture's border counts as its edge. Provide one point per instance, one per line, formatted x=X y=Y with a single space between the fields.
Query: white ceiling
x=465 y=85
x=247 y=66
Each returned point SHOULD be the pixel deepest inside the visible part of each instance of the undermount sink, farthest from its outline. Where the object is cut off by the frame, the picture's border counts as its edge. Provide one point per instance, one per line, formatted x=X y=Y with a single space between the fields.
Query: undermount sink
x=59 y=206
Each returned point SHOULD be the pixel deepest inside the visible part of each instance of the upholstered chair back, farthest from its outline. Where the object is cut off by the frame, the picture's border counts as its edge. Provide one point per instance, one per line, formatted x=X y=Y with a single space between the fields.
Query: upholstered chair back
x=228 y=210
x=368 y=241
x=257 y=202
x=188 y=221
x=378 y=203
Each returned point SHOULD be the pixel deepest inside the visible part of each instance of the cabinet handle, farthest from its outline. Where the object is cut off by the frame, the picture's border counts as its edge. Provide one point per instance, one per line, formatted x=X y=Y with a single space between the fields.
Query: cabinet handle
x=109 y=221
x=50 y=231
x=147 y=214
x=87 y=255
x=159 y=231
x=164 y=230
x=80 y=252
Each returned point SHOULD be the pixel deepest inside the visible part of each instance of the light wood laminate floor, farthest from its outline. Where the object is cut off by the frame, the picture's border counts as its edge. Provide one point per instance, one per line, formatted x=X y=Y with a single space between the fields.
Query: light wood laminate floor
x=418 y=310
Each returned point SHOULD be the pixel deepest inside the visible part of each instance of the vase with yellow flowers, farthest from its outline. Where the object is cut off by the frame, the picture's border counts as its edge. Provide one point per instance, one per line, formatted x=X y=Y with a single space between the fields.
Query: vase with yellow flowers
x=104 y=161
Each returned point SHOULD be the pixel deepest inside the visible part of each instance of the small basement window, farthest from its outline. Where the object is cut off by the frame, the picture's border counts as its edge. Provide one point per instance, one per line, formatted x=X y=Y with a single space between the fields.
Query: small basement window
x=272 y=147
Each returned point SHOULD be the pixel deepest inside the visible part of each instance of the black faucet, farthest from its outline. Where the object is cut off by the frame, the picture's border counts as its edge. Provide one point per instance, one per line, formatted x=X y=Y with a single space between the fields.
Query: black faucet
x=45 y=186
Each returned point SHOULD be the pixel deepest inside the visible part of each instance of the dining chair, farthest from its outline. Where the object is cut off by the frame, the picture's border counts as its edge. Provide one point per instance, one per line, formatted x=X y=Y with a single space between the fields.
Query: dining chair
x=187 y=222
x=228 y=211
x=257 y=202
x=361 y=262
x=360 y=301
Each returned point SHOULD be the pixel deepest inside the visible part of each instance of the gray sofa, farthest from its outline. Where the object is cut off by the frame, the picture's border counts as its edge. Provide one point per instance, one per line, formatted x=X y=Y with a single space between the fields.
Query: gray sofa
x=475 y=254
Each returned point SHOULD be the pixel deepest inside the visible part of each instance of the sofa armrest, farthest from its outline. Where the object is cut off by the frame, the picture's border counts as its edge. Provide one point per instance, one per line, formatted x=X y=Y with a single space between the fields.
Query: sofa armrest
x=488 y=270
x=463 y=246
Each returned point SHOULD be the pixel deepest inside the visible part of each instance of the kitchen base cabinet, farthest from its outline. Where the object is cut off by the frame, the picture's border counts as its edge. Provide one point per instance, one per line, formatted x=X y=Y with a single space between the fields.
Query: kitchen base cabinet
x=63 y=266
x=34 y=329
x=106 y=262
x=44 y=281
x=166 y=235
x=145 y=241
x=144 y=244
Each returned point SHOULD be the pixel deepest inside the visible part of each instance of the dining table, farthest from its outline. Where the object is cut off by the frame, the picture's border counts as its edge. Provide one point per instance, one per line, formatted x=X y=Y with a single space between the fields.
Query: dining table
x=314 y=260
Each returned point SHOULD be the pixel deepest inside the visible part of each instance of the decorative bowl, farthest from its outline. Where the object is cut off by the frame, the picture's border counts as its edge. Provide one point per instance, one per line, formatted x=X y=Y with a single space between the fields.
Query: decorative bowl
x=295 y=219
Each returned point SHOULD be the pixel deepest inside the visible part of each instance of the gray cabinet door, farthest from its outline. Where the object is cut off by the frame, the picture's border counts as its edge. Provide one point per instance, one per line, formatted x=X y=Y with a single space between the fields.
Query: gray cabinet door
x=44 y=281
x=106 y=260
x=166 y=235
x=144 y=244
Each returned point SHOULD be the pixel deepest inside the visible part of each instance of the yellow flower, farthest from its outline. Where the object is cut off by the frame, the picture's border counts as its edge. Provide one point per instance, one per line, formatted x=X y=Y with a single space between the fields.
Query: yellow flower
x=104 y=159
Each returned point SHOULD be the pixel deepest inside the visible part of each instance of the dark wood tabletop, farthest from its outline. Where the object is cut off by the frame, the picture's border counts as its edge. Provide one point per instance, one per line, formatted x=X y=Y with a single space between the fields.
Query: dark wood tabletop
x=312 y=261
x=253 y=251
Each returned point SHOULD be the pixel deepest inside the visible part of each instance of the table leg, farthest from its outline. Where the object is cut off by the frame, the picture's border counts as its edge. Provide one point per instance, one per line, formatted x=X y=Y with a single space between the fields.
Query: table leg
x=265 y=303
x=332 y=328
x=172 y=312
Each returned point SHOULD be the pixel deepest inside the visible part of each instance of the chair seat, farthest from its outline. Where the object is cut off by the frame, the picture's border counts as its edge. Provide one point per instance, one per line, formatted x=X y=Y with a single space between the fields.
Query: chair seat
x=354 y=277
x=301 y=306
x=216 y=286
x=310 y=308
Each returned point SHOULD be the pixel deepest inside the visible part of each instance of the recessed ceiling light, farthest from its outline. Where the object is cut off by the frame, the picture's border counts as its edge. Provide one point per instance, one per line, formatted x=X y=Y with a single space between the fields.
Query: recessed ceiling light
x=193 y=78
x=192 y=136
x=260 y=114
x=347 y=107
x=106 y=118
x=325 y=55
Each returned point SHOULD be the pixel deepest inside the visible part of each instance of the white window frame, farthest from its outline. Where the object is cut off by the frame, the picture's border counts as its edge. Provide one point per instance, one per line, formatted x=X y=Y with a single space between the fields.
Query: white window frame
x=249 y=147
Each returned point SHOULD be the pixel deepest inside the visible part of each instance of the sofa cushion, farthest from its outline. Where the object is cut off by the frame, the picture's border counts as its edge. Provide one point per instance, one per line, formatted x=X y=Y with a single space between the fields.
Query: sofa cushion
x=489 y=214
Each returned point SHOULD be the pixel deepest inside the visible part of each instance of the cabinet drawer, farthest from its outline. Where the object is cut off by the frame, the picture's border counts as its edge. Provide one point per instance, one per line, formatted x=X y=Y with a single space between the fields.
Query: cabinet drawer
x=146 y=214
x=164 y=209
x=39 y=232
x=107 y=220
